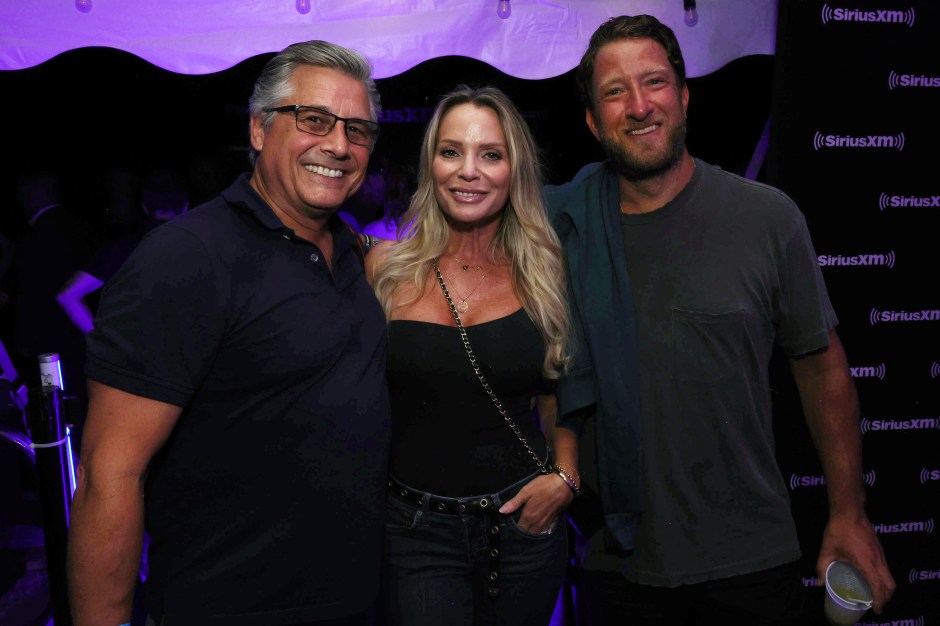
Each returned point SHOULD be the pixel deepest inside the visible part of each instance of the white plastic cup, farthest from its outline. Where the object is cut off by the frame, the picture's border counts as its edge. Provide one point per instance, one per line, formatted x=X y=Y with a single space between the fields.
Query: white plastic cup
x=848 y=595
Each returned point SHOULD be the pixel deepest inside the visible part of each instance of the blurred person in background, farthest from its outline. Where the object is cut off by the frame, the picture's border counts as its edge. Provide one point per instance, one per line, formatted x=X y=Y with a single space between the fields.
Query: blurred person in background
x=163 y=196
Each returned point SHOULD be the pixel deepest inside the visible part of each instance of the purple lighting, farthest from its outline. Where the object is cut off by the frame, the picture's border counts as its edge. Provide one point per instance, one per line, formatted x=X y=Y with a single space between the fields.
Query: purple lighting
x=691 y=14
x=209 y=36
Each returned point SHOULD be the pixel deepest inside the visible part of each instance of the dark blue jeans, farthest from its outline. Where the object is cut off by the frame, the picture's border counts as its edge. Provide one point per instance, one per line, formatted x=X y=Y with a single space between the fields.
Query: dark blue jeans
x=438 y=566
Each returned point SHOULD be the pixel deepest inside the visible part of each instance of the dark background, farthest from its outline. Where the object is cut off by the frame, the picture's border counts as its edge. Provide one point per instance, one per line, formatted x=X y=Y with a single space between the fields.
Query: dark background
x=831 y=77
x=91 y=109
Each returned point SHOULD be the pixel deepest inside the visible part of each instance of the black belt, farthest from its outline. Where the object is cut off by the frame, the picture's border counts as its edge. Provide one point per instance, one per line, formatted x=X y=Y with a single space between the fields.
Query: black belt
x=473 y=505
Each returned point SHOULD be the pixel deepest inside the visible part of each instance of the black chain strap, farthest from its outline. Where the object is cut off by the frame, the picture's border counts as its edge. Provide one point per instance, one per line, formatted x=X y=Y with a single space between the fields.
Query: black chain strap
x=486 y=386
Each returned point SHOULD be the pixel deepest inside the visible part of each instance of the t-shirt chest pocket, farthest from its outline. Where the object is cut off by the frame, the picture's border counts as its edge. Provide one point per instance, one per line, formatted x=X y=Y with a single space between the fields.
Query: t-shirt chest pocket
x=706 y=347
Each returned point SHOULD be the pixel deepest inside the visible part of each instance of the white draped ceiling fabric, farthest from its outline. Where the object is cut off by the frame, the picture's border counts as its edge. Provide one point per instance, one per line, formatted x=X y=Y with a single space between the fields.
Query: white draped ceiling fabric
x=541 y=38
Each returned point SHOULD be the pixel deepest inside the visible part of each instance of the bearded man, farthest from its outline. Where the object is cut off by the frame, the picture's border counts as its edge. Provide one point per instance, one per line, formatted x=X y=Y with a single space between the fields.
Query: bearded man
x=683 y=278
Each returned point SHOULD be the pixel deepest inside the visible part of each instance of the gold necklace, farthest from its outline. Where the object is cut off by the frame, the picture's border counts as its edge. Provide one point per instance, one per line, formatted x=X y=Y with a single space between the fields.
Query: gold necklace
x=468 y=266
x=463 y=306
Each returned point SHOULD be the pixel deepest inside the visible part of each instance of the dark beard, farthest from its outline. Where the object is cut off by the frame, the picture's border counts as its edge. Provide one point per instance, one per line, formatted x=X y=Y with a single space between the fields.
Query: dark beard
x=631 y=168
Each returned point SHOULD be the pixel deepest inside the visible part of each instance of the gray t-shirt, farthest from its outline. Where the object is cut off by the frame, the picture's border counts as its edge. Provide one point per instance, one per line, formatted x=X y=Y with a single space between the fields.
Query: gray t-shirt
x=718 y=275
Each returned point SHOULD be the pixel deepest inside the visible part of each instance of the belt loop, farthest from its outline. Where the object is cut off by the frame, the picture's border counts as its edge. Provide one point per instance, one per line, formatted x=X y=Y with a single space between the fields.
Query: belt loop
x=425 y=507
x=496 y=500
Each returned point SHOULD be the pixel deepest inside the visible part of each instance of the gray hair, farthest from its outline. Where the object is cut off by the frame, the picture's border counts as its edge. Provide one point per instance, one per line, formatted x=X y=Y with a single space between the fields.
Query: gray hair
x=274 y=83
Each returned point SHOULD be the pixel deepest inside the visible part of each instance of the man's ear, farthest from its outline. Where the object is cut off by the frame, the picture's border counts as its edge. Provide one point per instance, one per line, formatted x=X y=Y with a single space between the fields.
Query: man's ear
x=256 y=132
x=592 y=125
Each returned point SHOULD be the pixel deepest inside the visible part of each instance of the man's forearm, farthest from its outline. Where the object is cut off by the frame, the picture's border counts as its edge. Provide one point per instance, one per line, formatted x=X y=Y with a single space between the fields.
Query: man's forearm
x=77 y=312
x=104 y=548
x=72 y=299
x=122 y=434
x=830 y=405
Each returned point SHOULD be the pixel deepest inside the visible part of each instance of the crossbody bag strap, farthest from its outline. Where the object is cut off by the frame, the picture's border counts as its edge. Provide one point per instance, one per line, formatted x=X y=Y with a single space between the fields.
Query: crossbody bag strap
x=545 y=469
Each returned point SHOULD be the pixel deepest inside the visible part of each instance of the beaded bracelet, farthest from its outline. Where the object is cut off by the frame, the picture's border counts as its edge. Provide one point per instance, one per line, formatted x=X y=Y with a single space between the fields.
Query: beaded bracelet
x=565 y=476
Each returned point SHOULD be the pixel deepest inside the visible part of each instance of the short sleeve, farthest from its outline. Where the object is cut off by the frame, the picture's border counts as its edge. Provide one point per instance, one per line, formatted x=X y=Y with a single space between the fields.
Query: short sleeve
x=160 y=320
x=805 y=314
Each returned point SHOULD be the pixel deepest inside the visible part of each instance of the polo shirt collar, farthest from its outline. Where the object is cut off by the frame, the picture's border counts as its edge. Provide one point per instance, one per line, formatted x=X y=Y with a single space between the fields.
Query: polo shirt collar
x=242 y=195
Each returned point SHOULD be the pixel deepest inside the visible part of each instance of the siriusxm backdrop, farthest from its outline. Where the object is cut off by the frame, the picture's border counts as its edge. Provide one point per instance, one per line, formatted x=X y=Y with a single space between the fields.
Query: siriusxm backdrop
x=856 y=98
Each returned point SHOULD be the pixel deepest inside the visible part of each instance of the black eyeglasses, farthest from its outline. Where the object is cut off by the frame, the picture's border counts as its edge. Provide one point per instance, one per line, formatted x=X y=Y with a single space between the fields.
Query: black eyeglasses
x=319 y=122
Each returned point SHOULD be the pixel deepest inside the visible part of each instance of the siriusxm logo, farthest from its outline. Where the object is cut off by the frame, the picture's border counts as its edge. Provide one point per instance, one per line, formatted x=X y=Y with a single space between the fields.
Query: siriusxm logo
x=927 y=475
x=806 y=481
x=904 y=527
x=925 y=315
x=868 y=371
x=821 y=141
x=797 y=481
x=896 y=80
x=914 y=621
x=857 y=260
x=935 y=370
x=915 y=576
x=830 y=14
x=885 y=201
x=924 y=423
x=408 y=115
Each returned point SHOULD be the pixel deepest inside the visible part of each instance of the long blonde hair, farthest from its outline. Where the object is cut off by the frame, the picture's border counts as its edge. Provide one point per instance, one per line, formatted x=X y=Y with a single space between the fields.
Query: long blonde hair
x=525 y=236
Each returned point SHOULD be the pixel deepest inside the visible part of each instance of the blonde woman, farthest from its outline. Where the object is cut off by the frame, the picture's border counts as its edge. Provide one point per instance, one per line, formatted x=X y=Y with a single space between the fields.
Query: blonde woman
x=478 y=328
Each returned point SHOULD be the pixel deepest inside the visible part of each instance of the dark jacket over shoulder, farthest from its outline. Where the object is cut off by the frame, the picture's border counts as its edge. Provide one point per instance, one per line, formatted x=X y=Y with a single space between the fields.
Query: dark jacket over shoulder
x=603 y=378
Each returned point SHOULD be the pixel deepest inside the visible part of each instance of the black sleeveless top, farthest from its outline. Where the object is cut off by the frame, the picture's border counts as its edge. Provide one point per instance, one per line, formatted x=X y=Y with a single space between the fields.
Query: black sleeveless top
x=448 y=438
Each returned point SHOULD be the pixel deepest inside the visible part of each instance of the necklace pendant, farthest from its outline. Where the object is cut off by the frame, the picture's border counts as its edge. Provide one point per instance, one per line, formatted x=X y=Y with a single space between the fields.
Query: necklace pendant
x=465 y=267
x=462 y=306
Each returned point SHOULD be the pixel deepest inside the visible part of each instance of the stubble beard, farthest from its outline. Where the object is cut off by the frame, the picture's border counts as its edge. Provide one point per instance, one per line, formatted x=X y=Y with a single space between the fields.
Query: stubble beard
x=633 y=167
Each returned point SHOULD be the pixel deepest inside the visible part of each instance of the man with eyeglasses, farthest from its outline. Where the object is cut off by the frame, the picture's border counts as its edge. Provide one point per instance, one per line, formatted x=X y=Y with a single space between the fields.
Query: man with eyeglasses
x=237 y=394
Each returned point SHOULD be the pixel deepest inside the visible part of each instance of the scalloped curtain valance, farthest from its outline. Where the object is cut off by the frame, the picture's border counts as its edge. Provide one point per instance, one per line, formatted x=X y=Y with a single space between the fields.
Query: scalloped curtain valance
x=540 y=39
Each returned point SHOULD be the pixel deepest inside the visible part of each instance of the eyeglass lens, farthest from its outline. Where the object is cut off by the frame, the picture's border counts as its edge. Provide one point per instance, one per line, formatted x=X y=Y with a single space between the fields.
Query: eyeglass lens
x=317 y=122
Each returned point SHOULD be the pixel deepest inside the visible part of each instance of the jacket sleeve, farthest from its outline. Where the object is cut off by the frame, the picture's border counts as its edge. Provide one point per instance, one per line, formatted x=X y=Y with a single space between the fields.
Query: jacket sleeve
x=577 y=391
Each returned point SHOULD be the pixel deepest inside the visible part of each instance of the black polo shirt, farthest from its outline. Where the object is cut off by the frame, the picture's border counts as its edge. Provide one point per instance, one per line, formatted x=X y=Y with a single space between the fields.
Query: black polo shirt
x=265 y=505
